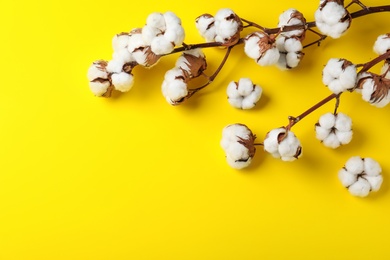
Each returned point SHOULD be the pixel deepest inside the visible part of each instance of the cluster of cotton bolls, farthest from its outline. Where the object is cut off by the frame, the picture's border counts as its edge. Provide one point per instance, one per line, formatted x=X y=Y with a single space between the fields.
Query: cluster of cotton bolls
x=339 y=75
x=141 y=46
x=284 y=49
x=238 y=143
x=289 y=43
x=243 y=94
x=189 y=65
x=224 y=27
x=334 y=130
x=375 y=88
x=361 y=176
x=116 y=74
x=282 y=143
x=332 y=18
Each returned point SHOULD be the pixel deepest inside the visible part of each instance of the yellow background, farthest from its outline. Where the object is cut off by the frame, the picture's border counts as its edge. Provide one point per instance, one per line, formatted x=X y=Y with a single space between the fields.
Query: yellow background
x=132 y=177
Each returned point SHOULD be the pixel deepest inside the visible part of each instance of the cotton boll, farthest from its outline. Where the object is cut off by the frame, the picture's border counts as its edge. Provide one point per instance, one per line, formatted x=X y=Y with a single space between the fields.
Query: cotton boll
x=339 y=29
x=238 y=143
x=332 y=19
x=238 y=164
x=289 y=148
x=149 y=33
x=331 y=71
x=282 y=62
x=115 y=66
x=243 y=94
x=251 y=48
x=160 y=45
x=355 y=165
x=347 y=178
x=206 y=27
x=367 y=89
x=293 y=45
x=321 y=132
x=348 y=77
x=174 y=91
x=97 y=70
x=251 y=100
x=270 y=57
x=156 y=20
x=122 y=81
x=123 y=55
x=360 y=188
x=271 y=142
x=327 y=120
x=375 y=182
x=371 y=167
x=344 y=137
x=99 y=88
x=292 y=17
x=382 y=44
x=175 y=34
x=262 y=48
x=331 y=141
x=136 y=41
x=286 y=147
x=171 y=18
x=238 y=156
x=174 y=87
x=343 y=122
x=226 y=29
x=293 y=59
x=339 y=75
x=120 y=41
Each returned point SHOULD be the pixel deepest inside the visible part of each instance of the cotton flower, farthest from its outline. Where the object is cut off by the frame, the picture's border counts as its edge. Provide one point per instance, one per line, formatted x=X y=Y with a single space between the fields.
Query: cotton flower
x=374 y=88
x=163 y=32
x=361 y=176
x=334 y=130
x=243 y=94
x=292 y=17
x=332 y=19
x=339 y=75
x=227 y=26
x=262 y=48
x=282 y=143
x=382 y=44
x=120 y=73
x=174 y=86
x=192 y=62
x=206 y=27
x=238 y=143
x=290 y=49
x=120 y=46
x=140 y=50
x=98 y=77
x=122 y=81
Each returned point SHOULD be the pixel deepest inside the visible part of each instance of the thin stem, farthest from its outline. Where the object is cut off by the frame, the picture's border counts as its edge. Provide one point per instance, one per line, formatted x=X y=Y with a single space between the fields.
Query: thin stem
x=294 y=120
x=359 y=3
x=336 y=106
x=375 y=61
x=252 y=24
x=322 y=37
x=258 y=144
x=212 y=77
x=187 y=47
